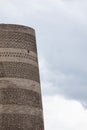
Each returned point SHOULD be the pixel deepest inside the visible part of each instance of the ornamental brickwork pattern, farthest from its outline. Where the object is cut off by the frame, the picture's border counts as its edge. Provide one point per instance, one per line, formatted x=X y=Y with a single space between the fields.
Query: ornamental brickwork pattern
x=17 y=40
x=20 y=93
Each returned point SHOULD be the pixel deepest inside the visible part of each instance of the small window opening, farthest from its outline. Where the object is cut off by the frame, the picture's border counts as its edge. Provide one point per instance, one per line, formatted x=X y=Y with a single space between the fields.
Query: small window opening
x=28 y=51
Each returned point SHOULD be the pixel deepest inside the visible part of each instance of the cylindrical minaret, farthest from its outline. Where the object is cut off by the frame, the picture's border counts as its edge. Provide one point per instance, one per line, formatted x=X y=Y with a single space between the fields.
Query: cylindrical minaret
x=20 y=93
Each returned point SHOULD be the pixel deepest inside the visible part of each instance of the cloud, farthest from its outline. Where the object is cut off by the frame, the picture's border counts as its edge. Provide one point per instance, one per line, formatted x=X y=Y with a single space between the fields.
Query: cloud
x=64 y=70
x=70 y=82
x=64 y=114
x=61 y=30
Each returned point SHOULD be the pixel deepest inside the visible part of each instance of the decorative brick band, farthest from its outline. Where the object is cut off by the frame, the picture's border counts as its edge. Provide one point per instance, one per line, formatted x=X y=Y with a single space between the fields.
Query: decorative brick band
x=17 y=28
x=20 y=109
x=19 y=70
x=18 y=55
x=20 y=93
x=20 y=97
x=17 y=40
x=20 y=83
x=20 y=122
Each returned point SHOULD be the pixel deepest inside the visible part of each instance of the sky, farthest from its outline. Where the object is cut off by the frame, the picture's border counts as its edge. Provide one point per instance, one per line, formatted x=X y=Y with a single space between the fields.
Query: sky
x=61 y=33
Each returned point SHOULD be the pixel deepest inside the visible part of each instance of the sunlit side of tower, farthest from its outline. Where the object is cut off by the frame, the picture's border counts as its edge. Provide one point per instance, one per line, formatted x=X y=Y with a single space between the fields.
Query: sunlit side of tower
x=20 y=93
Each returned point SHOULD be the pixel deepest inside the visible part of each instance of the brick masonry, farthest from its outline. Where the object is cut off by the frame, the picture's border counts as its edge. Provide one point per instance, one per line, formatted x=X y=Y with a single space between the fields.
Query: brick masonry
x=20 y=122
x=20 y=93
x=17 y=40
x=19 y=70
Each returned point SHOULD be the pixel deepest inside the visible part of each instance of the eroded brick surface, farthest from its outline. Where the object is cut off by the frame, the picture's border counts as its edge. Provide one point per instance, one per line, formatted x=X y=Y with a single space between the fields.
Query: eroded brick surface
x=17 y=40
x=19 y=70
x=20 y=122
x=20 y=95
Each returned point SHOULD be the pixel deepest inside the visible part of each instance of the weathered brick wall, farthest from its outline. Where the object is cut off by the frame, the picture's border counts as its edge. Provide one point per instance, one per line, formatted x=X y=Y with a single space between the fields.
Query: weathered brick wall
x=17 y=40
x=20 y=93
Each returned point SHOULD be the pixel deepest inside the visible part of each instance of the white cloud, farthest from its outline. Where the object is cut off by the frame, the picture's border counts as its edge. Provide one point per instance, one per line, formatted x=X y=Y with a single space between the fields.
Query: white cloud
x=61 y=29
x=64 y=114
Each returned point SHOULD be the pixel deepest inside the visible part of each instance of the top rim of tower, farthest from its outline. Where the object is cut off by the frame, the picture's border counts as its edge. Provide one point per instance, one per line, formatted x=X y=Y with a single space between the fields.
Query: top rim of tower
x=17 y=28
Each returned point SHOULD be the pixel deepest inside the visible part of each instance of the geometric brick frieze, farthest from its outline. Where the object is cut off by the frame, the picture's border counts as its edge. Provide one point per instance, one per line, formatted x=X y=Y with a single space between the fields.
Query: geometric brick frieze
x=20 y=122
x=17 y=40
x=19 y=70
x=17 y=55
x=20 y=91
x=18 y=59
x=20 y=109
x=17 y=28
x=20 y=97
x=20 y=83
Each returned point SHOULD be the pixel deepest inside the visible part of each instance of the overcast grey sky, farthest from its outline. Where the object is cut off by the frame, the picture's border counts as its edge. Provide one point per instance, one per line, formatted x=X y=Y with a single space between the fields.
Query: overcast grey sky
x=61 y=31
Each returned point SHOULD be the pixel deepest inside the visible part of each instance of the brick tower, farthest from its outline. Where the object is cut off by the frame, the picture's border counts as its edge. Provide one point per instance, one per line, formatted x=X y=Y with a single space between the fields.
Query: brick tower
x=20 y=93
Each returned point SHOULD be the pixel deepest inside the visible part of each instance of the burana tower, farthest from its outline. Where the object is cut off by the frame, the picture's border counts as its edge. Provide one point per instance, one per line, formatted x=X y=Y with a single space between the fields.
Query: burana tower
x=20 y=93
